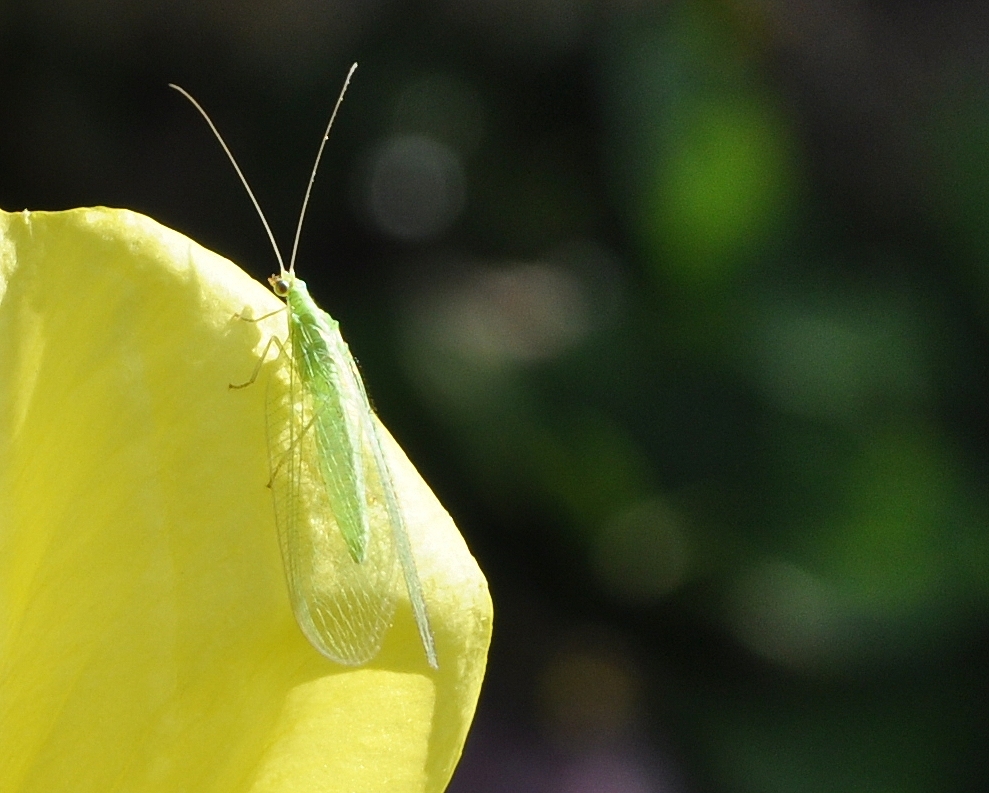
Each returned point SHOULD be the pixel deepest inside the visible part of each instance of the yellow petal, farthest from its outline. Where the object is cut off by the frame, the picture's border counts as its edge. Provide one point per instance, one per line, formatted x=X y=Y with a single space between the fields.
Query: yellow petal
x=146 y=637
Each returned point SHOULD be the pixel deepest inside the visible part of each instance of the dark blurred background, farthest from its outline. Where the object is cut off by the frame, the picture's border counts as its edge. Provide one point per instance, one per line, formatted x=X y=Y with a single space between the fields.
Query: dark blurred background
x=682 y=308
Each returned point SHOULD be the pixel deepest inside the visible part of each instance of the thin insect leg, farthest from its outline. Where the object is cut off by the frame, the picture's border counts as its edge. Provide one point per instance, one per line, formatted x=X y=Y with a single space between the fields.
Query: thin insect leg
x=241 y=317
x=257 y=369
x=295 y=442
x=302 y=433
x=297 y=439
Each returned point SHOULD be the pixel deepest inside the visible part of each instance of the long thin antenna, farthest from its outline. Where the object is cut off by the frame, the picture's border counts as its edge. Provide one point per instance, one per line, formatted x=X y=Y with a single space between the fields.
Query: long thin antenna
x=240 y=173
x=247 y=187
x=312 y=176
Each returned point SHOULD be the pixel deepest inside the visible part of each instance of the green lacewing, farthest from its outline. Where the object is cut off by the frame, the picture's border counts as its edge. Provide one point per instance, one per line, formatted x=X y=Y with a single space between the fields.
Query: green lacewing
x=340 y=523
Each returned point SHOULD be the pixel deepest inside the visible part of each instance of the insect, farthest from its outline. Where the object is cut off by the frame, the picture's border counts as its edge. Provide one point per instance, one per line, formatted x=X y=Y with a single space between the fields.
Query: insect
x=340 y=524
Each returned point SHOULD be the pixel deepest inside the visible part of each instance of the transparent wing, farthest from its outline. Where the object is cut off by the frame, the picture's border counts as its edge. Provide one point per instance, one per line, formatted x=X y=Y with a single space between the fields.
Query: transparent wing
x=396 y=521
x=343 y=606
x=403 y=546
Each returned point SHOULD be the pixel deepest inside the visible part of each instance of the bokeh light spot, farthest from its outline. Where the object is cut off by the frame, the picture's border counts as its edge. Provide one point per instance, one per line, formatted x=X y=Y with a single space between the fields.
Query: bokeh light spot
x=467 y=334
x=722 y=189
x=836 y=354
x=784 y=614
x=642 y=553
x=589 y=692
x=415 y=188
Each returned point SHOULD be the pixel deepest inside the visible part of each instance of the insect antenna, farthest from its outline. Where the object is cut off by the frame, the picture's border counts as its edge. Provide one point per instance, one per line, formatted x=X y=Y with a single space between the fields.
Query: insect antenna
x=312 y=177
x=240 y=173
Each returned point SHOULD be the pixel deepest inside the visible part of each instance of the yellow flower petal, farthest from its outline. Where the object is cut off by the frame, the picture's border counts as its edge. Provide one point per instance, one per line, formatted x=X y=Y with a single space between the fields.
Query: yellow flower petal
x=146 y=638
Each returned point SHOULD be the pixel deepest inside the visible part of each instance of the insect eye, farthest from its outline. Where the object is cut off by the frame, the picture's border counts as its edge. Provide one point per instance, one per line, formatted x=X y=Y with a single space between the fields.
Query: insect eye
x=279 y=286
